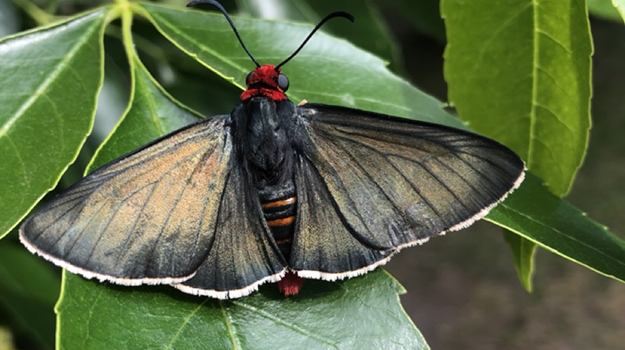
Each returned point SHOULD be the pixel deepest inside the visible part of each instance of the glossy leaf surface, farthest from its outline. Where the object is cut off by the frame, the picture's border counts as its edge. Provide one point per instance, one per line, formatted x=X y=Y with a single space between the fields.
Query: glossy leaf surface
x=163 y=318
x=559 y=227
x=521 y=74
x=49 y=81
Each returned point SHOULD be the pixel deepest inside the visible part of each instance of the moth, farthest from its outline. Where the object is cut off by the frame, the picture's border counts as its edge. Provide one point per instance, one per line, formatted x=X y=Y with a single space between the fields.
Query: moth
x=271 y=192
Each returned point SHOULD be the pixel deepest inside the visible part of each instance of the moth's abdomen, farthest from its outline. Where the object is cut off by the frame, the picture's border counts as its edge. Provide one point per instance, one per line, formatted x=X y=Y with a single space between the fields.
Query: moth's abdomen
x=279 y=208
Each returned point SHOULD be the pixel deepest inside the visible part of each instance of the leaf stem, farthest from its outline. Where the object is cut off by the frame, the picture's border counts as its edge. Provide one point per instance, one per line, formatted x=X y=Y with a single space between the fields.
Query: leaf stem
x=127 y=17
x=141 y=43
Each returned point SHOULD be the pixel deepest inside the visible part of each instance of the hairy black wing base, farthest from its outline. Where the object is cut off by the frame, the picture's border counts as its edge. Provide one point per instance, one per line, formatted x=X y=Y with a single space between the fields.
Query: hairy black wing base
x=395 y=182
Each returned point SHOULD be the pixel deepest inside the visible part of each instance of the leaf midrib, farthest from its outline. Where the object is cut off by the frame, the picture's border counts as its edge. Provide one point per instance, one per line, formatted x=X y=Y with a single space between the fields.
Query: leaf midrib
x=562 y=234
x=284 y=323
x=185 y=322
x=232 y=334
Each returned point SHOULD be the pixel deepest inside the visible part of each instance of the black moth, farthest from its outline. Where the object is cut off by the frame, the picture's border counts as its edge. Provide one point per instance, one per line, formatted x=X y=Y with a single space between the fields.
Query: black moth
x=271 y=192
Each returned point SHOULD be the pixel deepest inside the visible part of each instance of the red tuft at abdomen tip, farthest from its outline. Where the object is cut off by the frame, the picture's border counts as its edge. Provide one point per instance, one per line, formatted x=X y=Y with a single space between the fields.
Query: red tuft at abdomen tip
x=290 y=284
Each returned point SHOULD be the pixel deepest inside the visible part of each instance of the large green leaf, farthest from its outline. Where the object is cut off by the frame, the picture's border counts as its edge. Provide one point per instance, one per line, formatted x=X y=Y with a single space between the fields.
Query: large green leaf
x=318 y=318
x=361 y=313
x=29 y=287
x=49 y=80
x=520 y=73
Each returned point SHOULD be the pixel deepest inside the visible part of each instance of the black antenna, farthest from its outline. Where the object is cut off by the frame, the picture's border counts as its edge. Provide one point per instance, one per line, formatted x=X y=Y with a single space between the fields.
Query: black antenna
x=324 y=20
x=218 y=5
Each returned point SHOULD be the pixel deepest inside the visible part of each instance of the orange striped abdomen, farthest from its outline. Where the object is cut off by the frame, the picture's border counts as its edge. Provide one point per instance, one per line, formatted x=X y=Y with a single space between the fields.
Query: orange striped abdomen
x=279 y=207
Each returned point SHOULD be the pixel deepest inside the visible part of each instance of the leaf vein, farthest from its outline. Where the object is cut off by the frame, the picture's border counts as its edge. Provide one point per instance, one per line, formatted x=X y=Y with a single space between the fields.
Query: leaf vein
x=285 y=323
x=65 y=62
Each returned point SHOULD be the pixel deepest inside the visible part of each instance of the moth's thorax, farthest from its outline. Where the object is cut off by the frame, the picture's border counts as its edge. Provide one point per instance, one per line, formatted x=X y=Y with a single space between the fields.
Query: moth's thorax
x=263 y=127
x=263 y=81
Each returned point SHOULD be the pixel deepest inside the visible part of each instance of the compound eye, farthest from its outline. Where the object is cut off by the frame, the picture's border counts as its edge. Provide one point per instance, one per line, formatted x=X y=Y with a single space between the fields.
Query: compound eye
x=247 y=79
x=283 y=82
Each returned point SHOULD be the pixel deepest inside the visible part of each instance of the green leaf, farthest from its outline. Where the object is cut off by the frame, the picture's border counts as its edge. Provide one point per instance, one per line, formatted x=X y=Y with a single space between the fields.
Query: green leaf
x=367 y=32
x=361 y=313
x=327 y=70
x=523 y=77
x=187 y=322
x=524 y=252
x=545 y=219
x=620 y=6
x=28 y=290
x=49 y=80
x=605 y=9
x=519 y=72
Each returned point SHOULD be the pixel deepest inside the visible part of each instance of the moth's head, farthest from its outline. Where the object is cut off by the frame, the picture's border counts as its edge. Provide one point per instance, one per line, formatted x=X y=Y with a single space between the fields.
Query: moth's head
x=268 y=81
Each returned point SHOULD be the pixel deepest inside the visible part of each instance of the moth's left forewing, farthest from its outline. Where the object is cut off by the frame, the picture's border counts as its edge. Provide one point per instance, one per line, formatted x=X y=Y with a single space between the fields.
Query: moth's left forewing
x=145 y=218
x=397 y=182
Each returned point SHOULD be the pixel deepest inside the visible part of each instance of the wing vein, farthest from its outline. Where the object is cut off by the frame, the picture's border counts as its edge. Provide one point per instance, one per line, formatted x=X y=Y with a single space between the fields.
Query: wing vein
x=201 y=220
x=180 y=194
x=414 y=188
x=80 y=234
x=55 y=221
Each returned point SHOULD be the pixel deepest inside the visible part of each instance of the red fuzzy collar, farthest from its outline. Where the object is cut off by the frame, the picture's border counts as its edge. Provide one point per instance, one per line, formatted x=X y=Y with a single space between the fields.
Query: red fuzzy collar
x=263 y=81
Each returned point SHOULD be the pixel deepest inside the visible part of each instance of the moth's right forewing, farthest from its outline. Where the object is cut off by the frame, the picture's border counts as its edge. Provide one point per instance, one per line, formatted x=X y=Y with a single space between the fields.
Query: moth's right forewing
x=397 y=182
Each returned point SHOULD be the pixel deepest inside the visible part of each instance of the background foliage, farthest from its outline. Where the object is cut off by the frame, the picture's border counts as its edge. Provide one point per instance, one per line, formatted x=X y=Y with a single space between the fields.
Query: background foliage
x=519 y=73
